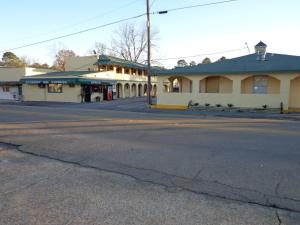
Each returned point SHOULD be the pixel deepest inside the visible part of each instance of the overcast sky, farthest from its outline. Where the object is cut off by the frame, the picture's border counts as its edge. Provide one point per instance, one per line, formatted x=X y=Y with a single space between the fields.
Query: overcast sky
x=195 y=31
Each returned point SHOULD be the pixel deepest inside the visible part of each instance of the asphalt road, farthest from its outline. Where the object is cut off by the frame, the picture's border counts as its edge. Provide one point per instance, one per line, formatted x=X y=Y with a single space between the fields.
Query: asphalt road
x=67 y=165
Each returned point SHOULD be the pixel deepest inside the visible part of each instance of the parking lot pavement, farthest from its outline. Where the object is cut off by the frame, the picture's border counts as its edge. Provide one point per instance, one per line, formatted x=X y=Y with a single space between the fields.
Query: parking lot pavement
x=35 y=190
x=250 y=164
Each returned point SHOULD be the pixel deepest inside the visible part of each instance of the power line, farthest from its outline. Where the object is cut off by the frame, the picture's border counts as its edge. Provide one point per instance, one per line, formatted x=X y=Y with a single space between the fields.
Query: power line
x=75 y=33
x=193 y=6
x=152 y=3
x=74 y=24
x=115 y=22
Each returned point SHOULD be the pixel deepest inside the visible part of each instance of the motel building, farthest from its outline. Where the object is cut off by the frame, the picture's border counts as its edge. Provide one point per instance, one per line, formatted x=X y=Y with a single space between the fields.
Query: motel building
x=89 y=79
x=249 y=81
x=10 y=85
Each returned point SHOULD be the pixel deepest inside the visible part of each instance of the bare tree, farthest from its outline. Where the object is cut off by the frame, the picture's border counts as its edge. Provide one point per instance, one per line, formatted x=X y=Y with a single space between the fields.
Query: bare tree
x=99 y=49
x=59 y=62
x=26 y=60
x=130 y=42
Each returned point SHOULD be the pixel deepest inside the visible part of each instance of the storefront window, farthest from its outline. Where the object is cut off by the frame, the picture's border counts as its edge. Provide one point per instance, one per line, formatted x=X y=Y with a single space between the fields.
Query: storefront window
x=5 y=89
x=260 y=85
x=55 y=88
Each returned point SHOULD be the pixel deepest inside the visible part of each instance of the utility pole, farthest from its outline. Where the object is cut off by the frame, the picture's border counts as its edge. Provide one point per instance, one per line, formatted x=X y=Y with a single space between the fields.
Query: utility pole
x=148 y=55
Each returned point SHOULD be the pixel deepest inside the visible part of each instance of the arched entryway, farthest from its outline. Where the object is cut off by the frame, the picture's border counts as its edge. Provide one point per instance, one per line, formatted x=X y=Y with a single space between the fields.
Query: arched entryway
x=119 y=90
x=133 y=90
x=127 y=90
x=154 y=90
x=177 y=84
x=145 y=89
x=294 y=102
x=140 y=90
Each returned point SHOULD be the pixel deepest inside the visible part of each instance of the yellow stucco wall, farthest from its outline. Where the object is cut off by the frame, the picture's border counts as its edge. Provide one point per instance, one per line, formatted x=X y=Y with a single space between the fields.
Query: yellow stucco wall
x=14 y=74
x=212 y=85
x=295 y=93
x=236 y=98
x=225 y=85
x=202 y=86
x=247 y=85
x=273 y=86
x=215 y=85
x=80 y=63
x=185 y=85
x=31 y=92
x=11 y=74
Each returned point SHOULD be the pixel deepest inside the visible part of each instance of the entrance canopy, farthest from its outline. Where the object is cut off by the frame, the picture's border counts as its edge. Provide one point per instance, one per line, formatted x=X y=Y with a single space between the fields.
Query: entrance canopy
x=66 y=81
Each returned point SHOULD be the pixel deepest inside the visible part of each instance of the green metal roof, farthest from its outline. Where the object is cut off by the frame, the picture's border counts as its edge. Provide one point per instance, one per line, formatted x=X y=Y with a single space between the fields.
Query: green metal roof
x=111 y=60
x=68 y=77
x=273 y=63
x=64 y=73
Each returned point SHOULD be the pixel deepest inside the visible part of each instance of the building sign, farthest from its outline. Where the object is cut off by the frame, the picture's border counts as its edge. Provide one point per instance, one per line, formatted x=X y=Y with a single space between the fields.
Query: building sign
x=35 y=82
x=42 y=81
x=60 y=82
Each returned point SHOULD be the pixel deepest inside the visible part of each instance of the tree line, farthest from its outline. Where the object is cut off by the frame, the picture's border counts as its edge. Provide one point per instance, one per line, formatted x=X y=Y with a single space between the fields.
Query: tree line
x=10 y=59
x=206 y=60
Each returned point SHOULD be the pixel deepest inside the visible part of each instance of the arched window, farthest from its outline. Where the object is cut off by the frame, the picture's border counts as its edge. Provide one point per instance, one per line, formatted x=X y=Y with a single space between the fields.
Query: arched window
x=216 y=84
x=260 y=84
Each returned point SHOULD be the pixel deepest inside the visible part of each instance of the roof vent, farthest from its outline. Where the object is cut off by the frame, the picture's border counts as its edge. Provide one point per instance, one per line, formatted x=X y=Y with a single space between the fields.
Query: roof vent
x=260 y=50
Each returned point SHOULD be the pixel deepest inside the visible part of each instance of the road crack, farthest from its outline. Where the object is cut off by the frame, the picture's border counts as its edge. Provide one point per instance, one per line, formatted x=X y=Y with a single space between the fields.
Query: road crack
x=212 y=194
x=278 y=217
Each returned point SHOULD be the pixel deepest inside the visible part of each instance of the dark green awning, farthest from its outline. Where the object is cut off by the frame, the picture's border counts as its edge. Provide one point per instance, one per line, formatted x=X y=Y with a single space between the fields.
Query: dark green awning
x=41 y=80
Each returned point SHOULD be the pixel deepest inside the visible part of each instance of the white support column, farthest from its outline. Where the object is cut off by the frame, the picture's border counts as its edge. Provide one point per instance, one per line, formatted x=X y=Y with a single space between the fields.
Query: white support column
x=236 y=86
x=123 y=90
x=159 y=88
x=195 y=85
x=129 y=91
